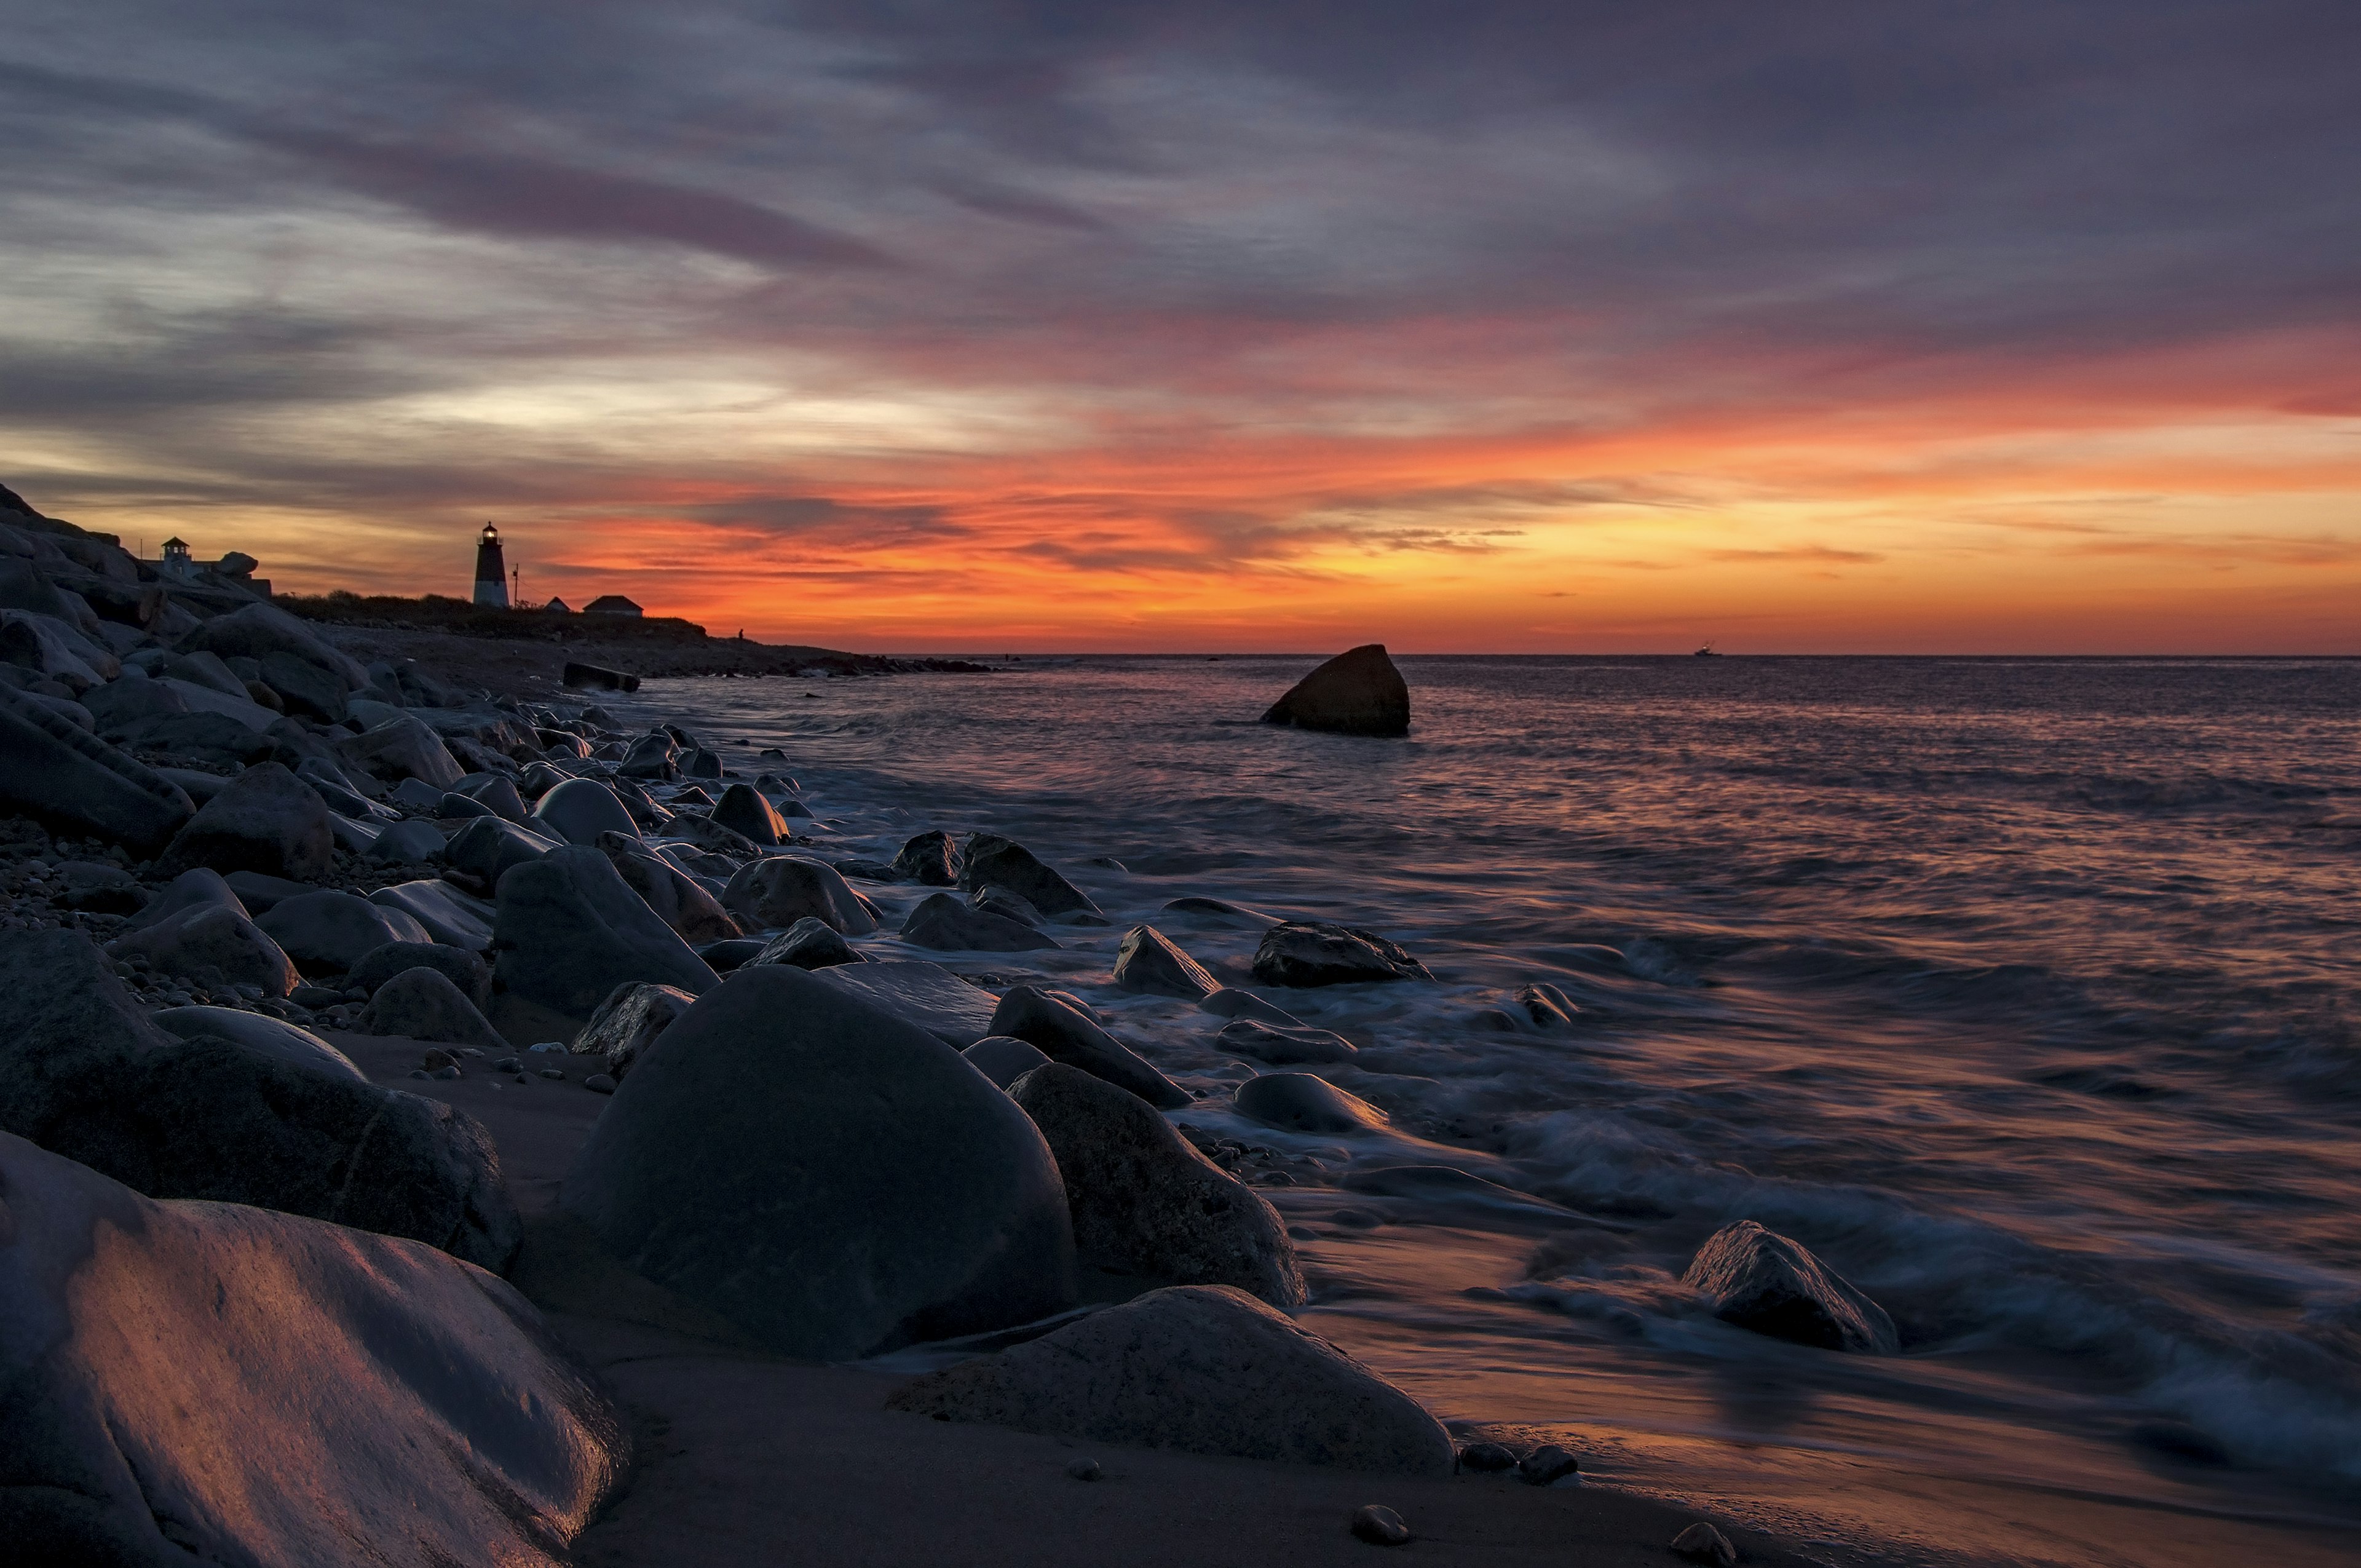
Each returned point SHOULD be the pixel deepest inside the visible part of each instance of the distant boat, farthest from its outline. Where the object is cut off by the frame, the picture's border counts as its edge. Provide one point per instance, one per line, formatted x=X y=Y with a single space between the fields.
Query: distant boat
x=1705 y=652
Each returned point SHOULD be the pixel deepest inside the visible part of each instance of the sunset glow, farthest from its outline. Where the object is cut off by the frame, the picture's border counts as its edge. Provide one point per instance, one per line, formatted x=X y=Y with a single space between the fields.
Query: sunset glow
x=1138 y=336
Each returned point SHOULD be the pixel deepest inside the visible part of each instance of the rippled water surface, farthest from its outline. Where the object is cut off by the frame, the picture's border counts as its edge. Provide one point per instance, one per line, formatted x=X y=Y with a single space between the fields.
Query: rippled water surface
x=2022 y=991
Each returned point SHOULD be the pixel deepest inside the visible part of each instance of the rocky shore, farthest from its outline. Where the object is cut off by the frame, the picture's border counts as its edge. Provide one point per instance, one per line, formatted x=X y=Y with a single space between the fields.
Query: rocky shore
x=440 y=1122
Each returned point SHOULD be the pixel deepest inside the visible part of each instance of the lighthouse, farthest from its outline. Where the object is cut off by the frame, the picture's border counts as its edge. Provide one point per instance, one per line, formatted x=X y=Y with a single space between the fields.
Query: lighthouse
x=491 y=572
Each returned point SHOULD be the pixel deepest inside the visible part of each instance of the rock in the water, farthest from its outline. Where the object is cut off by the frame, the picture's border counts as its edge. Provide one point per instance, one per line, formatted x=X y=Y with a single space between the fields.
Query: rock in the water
x=779 y=890
x=1379 y=1526
x=569 y=930
x=997 y=900
x=1305 y=953
x=1283 y=1047
x=1547 y=1008
x=1145 y=1203
x=1202 y=1368
x=1760 y=1280
x=1547 y=1465
x=1219 y=912
x=1148 y=961
x=57 y=773
x=203 y=1383
x=1063 y=1034
x=84 y=1074
x=933 y=858
x=450 y=918
x=628 y=1023
x=742 y=810
x=214 y=937
x=1302 y=1103
x=941 y=922
x=1701 y=1542
x=578 y=810
x=919 y=992
x=679 y=900
x=488 y=846
x=1004 y=1058
x=281 y=1041
x=268 y=820
x=1358 y=691
x=327 y=932
x=1230 y=1003
x=992 y=861
x=422 y=1005
x=811 y=943
x=831 y=1179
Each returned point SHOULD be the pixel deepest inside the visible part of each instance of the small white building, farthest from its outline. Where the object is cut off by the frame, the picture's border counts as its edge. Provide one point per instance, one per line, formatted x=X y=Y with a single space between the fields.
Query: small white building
x=611 y=604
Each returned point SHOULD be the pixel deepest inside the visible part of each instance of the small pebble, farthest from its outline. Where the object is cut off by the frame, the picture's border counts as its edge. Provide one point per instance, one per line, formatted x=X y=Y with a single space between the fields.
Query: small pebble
x=508 y=1064
x=1085 y=1470
x=1487 y=1458
x=445 y=1073
x=1380 y=1526
x=1703 y=1543
x=418 y=1072
x=1546 y=1465
x=546 y=1046
x=557 y=1075
x=599 y=1083
x=524 y=1077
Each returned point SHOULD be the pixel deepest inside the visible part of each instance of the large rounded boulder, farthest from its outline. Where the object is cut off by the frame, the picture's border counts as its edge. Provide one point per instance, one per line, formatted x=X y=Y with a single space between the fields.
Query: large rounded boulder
x=776 y=890
x=568 y=931
x=578 y=810
x=268 y=820
x=1358 y=691
x=834 y=1180
x=1306 y=953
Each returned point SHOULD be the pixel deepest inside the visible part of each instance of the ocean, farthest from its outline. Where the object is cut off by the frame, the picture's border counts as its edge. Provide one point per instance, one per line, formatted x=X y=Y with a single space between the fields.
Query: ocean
x=2020 y=990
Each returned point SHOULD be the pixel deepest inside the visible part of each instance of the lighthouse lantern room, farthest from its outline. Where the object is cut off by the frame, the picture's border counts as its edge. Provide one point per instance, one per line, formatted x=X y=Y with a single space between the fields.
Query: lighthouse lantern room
x=491 y=572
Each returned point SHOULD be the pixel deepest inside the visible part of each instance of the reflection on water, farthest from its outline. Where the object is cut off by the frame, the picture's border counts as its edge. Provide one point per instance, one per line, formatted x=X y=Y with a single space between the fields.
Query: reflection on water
x=2022 y=991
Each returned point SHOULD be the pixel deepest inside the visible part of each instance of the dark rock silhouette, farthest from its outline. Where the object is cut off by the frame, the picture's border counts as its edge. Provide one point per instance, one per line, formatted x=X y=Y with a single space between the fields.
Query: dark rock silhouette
x=1358 y=691
x=1760 y=1280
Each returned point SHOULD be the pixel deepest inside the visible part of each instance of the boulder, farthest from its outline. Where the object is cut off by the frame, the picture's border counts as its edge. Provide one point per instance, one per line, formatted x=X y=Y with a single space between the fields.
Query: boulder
x=406 y=843
x=257 y=630
x=834 y=1180
x=124 y=707
x=449 y=916
x=994 y=861
x=84 y=1074
x=1281 y=1046
x=998 y=900
x=1762 y=1280
x=578 y=810
x=268 y=820
x=55 y=650
x=927 y=995
x=422 y=1005
x=941 y=922
x=679 y=899
x=1357 y=693
x=779 y=890
x=706 y=834
x=732 y=952
x=304 y=687
x=462 y=968
x=327 y=932
x=568 y=931
x=1148 y=961
x=200 y=888
x=261 y=893
x=64 y=777
x=651 y=757
x=208 y=1383
x=933 y=858
x=403 y=748
x=500 y=795
x=211 y=936
x=811 y=943
x=456 y=807
x=1305 y=953
x=1202 y=1368
x=1144 y=1203
x=269 y=1036
x=1062 y=1033
x=1231 y=1002
x=1004 y=1058
x=628 y=1023
x=1302 y=1103
x=744 y=811
x=488 y=846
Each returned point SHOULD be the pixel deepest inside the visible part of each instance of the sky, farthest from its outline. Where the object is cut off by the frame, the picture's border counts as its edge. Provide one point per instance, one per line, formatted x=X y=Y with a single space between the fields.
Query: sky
x=1907 y=326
